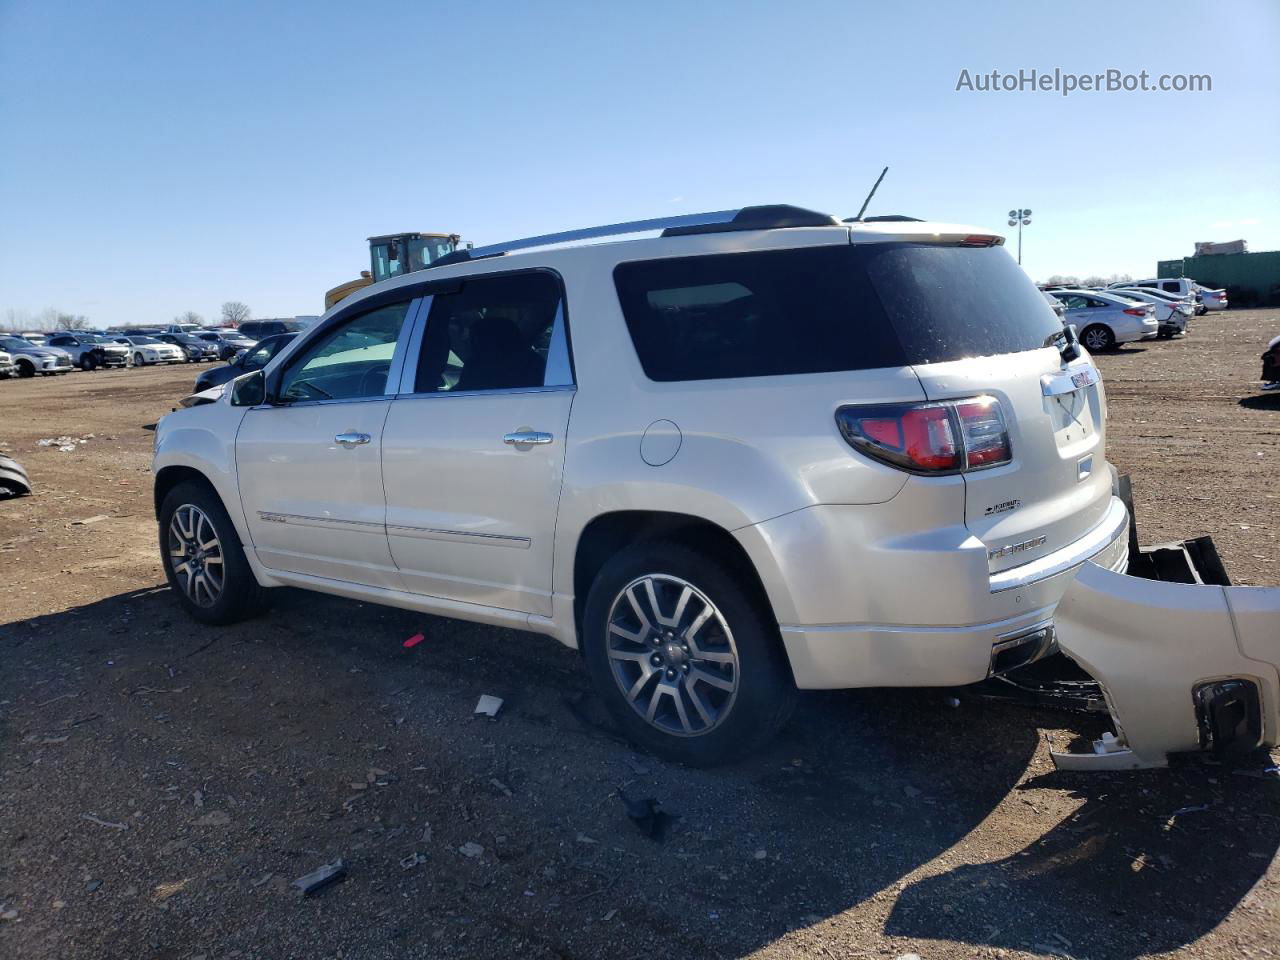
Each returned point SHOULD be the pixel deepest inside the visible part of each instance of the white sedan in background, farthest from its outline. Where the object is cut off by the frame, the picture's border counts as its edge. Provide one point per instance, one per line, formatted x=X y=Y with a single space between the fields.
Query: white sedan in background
x=1170 y=312
x=1213 y=299
x=149 y=350
x=1106 y=320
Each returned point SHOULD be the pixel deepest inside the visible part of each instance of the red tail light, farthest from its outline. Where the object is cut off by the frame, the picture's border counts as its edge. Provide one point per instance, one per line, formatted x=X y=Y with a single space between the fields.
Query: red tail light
x=953 y=436
x=981 y=240
x=1135 y=311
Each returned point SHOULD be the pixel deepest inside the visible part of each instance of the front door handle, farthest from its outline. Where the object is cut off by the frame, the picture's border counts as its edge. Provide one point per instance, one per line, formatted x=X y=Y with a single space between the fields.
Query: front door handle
x=351 y=439
x=527 y=436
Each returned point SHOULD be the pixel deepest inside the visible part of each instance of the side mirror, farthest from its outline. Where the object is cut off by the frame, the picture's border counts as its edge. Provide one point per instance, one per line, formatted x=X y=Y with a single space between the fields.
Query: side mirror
x=250 y=390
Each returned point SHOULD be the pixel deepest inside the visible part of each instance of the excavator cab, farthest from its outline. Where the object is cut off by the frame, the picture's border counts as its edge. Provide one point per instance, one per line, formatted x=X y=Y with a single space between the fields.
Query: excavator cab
x=393 y=254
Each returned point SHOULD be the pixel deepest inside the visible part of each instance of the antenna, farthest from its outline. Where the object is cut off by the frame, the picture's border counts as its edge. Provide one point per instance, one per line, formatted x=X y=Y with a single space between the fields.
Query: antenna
x=867 y=201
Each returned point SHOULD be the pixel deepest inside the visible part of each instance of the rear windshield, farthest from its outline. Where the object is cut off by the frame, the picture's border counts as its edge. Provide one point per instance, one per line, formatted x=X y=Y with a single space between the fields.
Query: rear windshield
x=825 y=309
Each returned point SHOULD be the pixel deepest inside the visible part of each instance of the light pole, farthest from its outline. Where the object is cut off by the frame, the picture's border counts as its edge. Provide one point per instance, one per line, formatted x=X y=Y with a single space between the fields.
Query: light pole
x=1020 y=219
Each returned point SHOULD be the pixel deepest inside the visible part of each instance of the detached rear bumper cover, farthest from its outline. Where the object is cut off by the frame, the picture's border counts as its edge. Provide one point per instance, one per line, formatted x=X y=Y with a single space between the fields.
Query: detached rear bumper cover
x=1152 y=644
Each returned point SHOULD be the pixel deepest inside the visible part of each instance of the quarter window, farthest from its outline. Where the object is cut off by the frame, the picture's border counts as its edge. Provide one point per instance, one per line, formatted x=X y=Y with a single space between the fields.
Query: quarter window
x=348 y=362
x=496 y=333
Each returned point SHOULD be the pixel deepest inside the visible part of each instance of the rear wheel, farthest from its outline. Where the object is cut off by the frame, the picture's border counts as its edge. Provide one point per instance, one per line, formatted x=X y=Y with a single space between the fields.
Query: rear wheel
x=685 y=656
x=1098 y=338
x=203 y=559
x=26 y=368
x=137 y=360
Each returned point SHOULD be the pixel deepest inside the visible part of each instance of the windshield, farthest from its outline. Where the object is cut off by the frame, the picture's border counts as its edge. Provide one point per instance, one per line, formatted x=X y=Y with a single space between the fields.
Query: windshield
x=15 y=343
x=424 y=251
x=141 y=340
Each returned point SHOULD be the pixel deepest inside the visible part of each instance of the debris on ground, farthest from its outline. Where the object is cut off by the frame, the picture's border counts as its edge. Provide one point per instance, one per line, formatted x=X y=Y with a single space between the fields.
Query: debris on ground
x=470 y=849
x=412 y=860
x=97 y=518
x=166 y=890
x=321 y=877
x=488 y=706
x=647 y=815
x=215 y=818
x=413 y=641
x=9 y=915
x=103 y=823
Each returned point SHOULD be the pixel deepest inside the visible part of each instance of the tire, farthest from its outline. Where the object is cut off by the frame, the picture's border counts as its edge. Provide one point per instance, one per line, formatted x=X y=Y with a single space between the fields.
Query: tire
x=1098 y=338
x=26 y=369
x=137 y=360
x=87 y=363
x=197 y=509
x=739 y=648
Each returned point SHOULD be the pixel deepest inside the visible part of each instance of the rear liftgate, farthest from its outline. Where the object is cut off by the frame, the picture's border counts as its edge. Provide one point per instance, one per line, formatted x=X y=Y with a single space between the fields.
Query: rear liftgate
x=1184 y=661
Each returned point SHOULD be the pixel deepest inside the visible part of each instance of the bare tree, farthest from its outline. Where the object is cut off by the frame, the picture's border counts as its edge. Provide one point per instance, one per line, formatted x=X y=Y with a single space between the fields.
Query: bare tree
x=192 y=317
x=73 y=321
x=1058 y=280
x=235 y=313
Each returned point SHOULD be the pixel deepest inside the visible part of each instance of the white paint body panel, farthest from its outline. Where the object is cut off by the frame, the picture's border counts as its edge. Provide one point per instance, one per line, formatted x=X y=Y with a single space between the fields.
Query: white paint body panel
x=1149 y=643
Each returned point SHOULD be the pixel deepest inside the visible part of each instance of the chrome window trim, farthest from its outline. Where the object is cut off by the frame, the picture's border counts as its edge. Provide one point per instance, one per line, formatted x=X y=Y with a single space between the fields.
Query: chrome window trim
x=380 y=398
x=408 y=372
x=484 y=393
x=559 y=371
x=396 y=370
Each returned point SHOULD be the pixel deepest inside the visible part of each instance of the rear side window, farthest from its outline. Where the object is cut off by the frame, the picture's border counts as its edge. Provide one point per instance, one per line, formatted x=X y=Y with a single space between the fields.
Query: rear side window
x=759 y=314
x=825 y=309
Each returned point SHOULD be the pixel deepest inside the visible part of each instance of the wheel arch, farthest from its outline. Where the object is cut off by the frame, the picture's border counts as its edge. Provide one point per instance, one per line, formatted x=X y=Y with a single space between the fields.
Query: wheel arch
x=608 y=533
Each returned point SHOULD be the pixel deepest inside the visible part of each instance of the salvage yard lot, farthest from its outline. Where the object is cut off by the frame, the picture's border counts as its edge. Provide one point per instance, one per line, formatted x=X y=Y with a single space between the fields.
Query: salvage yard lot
x=162 y=782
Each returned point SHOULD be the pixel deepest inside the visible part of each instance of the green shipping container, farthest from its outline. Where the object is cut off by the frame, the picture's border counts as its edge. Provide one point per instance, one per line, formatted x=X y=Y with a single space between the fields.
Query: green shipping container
x=1250 y=279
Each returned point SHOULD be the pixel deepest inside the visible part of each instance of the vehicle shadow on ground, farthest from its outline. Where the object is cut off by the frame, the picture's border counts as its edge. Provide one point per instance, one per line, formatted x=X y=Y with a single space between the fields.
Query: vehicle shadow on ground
x=1262 y=401
x=859 y=791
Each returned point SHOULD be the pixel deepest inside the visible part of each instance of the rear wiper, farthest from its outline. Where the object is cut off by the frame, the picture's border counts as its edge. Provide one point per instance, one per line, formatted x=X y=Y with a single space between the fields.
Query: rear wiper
x=1066 y=342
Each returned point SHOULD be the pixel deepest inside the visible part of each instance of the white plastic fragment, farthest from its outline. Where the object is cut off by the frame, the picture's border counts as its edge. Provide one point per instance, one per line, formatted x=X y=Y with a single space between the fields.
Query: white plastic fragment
x=488 y=706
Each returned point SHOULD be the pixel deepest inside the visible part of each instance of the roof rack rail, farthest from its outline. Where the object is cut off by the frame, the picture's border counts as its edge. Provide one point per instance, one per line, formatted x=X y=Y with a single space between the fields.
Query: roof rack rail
x=768 y=217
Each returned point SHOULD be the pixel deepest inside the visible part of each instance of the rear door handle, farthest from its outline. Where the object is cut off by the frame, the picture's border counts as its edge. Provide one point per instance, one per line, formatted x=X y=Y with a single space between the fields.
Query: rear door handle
x=351 y=439
x=527 y=436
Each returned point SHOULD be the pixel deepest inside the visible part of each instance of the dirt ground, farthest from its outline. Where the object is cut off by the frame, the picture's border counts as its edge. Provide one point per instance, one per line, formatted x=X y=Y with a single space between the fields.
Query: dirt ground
x=162 y=782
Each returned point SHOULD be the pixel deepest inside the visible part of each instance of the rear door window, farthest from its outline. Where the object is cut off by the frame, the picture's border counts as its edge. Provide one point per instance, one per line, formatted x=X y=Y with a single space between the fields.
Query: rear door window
x=496 y=333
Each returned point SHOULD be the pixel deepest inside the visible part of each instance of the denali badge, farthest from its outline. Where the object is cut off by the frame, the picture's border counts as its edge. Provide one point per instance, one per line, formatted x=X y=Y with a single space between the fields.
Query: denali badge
x=1012 y=548
x=1001 y=507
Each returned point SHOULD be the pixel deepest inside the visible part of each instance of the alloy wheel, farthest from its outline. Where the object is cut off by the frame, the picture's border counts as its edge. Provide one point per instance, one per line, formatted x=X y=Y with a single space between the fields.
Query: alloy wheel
x=195 y=554
x=672 y=655
x=1096 y=339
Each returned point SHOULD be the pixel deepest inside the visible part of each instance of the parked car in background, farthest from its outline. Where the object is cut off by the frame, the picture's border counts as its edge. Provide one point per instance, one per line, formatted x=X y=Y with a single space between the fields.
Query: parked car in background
x=1213 y=299
x=1172 y=315
x=1179 y=286
x=149 y=350
x=90 y=351
x=1106 y=320
x=1186 y=304
x=255 y=358
x=192 y=347
x=7 y=367
x=228 y=342
x=182 y=328
x=261 y=329
x=33 y=336
x=31 y=359
x=1057 y=305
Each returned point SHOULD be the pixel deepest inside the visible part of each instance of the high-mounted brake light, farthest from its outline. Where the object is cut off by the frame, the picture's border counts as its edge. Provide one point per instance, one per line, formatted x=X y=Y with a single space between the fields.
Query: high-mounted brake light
x=952 y=436
x=981 y=240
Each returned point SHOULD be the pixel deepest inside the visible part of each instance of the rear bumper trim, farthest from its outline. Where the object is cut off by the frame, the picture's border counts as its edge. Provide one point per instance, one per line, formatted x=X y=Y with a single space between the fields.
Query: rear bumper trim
x=1113 y=526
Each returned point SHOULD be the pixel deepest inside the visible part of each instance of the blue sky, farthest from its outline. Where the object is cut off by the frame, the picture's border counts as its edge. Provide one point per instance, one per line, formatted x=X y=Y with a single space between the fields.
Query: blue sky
x=159 y=157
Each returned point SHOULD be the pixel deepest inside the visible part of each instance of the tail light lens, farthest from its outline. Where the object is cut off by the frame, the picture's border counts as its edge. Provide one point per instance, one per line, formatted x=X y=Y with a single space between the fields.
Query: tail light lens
x=953 y=436
x=1135 y=311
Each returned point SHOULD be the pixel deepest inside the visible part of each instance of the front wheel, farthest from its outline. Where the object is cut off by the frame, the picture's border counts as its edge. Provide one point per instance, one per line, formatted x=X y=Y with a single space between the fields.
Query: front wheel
x=203 y=559
x=1098 y=338
x=685 y=654
x=26 y=369
x=87 y=363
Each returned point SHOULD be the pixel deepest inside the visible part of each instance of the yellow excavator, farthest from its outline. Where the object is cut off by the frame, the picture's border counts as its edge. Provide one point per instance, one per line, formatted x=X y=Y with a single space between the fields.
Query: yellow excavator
x=392 y=254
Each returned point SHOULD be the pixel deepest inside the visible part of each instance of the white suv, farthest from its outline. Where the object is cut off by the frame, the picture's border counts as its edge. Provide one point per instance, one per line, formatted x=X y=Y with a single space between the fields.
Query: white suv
x=763 y=450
